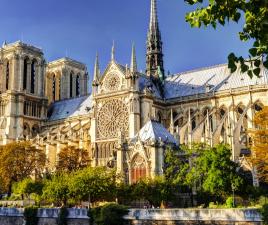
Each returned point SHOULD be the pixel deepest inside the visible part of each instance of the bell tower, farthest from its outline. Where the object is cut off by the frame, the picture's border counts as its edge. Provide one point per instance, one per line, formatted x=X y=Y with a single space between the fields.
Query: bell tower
x=154 y=55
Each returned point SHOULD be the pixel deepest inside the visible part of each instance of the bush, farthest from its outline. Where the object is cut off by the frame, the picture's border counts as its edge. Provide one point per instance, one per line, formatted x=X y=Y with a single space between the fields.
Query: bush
x=30 y=215
x=230 y=202
x=109 y=214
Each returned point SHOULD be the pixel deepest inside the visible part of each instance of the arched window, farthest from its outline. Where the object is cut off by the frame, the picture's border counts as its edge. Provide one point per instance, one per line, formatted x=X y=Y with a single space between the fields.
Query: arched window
x=7 y=75
x=71 y=85
x=33 y=73
x=138 y=169
x=77 y=85
x=54 y=87
x=25 y=72
x=59 y=86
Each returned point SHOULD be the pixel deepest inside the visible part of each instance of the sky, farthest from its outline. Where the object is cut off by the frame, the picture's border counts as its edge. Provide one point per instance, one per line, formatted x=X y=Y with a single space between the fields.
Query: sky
x=80 y=28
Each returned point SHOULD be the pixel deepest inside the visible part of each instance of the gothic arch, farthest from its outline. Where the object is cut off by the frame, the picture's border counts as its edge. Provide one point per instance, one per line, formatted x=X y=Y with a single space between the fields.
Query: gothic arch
x=77 y=85
x=138 y=168
x=258 y=106
x=25 y=72
x=159 y=117
x=26 y=130
x=53 y=87
x=35 y=130
x=33 y=76
x=7 y=73
x=71 y=84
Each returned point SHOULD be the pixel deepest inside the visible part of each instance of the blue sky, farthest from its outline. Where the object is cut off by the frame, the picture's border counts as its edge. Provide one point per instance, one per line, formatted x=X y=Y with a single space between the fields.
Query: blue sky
x=83 y=27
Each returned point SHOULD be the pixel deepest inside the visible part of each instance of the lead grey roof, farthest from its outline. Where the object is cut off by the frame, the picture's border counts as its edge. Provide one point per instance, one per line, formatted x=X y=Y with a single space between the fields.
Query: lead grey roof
x=218 y=78
x=146 y=83
x=70 y=108
x=155 y=131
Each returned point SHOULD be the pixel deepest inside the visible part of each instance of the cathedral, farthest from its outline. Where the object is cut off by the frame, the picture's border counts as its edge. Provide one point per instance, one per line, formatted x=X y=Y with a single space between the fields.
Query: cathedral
x=130 y=118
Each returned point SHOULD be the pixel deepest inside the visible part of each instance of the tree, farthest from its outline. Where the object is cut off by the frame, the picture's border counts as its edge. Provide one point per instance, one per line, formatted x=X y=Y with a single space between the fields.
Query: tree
x=93 y=184
x=27 y=187
x=213 y=171
x=176 y=166
x=255 y=12
x=19 y=160
x=72 y=158
x=259 y=148
x=57 y=189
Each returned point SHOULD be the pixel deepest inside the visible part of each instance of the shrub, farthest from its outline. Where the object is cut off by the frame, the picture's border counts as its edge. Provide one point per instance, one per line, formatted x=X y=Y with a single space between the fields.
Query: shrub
x=230 y=202
x=109 y=214
x=30 y=215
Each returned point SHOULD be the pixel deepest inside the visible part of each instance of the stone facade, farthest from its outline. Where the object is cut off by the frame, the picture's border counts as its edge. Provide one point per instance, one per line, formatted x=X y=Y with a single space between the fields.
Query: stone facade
x=130 y=118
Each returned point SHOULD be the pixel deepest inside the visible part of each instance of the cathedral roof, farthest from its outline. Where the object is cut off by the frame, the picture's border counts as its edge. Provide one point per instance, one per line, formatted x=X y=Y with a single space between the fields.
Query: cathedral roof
x=213 y=79
x=70 y=108
x=155 y=131
x=146 y=83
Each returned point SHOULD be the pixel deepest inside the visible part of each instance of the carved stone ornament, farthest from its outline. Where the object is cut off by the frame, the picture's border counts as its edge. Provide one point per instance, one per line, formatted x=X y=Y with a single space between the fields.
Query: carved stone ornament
x=112 y=117
x=112 y=82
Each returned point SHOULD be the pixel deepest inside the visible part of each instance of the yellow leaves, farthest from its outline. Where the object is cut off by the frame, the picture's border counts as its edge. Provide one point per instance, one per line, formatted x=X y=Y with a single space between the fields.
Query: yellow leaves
x=259 y=149
x=19 y=160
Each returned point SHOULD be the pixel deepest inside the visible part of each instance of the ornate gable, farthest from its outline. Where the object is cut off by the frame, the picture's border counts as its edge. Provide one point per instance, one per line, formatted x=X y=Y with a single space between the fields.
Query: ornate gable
x=113 y=78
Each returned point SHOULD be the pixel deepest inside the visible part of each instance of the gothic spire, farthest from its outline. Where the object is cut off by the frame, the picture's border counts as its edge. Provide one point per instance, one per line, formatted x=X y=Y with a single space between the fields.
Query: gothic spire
x=133 y=64
x=153 y=17
x=96 y=70
x=113 y=52
x=154 y=55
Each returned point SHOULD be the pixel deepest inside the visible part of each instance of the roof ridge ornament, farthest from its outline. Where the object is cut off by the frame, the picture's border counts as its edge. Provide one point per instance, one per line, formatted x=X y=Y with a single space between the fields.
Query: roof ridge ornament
x=96 y=71
x=154 y=54
x=133 y=64
x=113 y=52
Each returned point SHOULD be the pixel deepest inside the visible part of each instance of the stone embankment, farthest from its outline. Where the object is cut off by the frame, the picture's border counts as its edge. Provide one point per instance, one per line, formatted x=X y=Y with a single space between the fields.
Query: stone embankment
x=14 y=216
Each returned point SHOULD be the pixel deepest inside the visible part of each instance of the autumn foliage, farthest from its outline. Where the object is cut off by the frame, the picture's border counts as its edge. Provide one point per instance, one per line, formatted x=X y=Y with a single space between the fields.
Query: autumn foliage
x=19 y=160
x=72 y=158
x=259 y=136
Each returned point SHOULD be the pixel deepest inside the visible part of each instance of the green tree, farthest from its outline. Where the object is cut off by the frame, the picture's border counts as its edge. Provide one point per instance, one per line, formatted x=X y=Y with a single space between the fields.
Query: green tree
x=97 y=183
x=176 y=166
x=19 y=160
x=27 y=187
x=57 y=190
x=214 y=170
x=255 y=13
x=72 y=158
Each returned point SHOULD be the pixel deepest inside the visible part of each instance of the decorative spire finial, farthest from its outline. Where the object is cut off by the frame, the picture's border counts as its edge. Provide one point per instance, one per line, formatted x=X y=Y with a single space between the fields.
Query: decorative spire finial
x=96 y=69
x=133 y=64
x=113 y=52
x=154 y=55
x=153 y=18
x=4 y=43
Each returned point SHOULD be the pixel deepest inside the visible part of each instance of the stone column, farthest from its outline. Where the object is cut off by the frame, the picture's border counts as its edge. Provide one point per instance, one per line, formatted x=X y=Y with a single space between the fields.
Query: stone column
x=20 y=74
x=14 y=72
x=153 y=171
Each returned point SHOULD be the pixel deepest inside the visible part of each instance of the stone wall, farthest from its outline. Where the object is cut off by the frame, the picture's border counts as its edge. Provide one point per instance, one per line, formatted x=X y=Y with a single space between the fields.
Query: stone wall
x=194 y=216
x=13 y=216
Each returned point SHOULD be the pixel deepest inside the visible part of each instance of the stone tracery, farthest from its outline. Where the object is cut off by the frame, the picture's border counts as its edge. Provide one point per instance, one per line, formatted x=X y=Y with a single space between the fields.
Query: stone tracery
x=112 y=118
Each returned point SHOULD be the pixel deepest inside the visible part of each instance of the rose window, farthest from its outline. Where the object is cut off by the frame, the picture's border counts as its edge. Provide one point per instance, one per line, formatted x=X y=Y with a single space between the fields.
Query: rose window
x=112 y=118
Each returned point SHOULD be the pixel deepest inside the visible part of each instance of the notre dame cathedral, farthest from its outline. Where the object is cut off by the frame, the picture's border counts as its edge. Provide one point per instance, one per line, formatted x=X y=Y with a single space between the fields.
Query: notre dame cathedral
x=130 y=118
